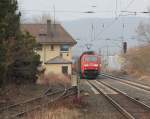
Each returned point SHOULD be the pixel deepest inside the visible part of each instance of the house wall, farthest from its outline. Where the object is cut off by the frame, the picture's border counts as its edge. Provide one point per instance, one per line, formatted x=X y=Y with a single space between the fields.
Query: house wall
x=57 y=68
x=46 y=53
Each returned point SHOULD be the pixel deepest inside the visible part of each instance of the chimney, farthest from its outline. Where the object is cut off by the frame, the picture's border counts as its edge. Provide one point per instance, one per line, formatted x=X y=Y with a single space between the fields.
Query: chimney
x=49 y=28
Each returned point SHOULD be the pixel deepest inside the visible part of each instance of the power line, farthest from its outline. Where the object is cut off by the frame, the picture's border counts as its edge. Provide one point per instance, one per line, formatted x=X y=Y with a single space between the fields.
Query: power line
x=66 y=11
x=136 y=12
x=129 y=4
x=71 y=11
x=116 y=19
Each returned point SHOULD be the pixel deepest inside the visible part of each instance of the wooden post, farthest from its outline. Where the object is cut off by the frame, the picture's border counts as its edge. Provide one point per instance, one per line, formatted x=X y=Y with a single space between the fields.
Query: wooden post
x=75 y=83
x=78 y=87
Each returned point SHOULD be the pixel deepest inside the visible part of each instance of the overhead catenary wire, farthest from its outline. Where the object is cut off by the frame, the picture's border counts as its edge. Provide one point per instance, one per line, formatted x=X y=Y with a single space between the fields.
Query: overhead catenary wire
x=111 y=24
x=65 y=11
x=116 y=19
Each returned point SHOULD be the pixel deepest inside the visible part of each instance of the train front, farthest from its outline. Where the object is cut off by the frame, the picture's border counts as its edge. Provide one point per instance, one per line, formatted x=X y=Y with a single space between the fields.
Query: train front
x=90 y=66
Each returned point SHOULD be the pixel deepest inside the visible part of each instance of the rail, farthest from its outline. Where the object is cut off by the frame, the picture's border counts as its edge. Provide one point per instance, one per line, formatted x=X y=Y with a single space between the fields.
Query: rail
x=141 y=86
x=19 y=109
x=129 y=107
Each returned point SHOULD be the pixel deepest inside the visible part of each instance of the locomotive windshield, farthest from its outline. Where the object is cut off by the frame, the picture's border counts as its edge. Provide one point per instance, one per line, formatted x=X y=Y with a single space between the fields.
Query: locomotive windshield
x=91 y=58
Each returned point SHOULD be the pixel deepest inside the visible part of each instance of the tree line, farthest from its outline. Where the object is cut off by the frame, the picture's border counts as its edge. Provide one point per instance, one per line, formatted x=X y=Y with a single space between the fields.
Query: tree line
x=18 y=61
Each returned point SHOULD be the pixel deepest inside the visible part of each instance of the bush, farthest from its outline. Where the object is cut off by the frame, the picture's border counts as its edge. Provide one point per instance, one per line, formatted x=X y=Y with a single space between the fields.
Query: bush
x=24 y=70
x=137 y=60
x=54 y=79
x=62 y=109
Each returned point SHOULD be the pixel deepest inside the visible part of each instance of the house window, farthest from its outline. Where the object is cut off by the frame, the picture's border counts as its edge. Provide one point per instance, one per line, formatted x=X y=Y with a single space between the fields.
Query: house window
x=51 y=47
x=64 y=48
x=65 y=70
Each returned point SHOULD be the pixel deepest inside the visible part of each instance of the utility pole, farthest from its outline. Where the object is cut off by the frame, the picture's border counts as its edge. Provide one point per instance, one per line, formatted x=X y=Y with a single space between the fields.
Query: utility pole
x=122 y=39
x=54 y=13
x=107 y=57
x=107 y=53
x=92 y=27
x=116 y=8
x=123 y=26
x=100 y=52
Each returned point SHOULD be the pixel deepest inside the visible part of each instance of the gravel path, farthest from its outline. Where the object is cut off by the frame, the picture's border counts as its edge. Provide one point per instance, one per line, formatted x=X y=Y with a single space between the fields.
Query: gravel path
x=136 y=93
x=98 y=107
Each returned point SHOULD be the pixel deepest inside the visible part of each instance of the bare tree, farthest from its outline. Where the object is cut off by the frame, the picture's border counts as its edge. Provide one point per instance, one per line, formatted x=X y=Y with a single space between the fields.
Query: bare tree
x=143 y=31
x=41 y=19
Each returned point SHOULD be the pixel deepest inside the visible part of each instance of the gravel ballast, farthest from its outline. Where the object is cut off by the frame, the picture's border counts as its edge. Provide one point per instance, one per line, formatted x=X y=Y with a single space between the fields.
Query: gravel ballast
x=136 y=93
x=98 y=107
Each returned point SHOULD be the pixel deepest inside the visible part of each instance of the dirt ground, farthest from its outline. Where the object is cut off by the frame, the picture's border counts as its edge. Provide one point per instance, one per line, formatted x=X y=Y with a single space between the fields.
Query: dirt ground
x=90 y=106
x=12 y=94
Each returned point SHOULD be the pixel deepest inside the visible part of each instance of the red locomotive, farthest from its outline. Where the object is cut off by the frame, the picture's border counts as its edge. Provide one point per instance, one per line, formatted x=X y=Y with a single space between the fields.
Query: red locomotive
x=89 y=65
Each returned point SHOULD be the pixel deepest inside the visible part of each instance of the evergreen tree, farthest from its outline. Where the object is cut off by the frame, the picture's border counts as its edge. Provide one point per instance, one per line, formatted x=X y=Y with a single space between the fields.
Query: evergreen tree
x=9 y=19
x=24 y=67
x=18 y=60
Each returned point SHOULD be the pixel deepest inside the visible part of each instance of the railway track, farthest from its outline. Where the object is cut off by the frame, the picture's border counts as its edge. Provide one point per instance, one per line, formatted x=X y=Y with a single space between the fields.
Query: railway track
x=129 y=107
x=17 y=110
x=141 y=86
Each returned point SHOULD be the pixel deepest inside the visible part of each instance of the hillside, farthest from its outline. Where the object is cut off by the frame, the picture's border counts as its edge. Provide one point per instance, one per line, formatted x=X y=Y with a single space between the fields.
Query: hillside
x=103 y=28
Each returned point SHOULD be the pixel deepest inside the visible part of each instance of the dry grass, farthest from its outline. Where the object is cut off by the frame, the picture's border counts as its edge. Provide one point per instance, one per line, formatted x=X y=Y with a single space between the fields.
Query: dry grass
x=138 y=61
x=117 y=72
x=64 y=109
x=61 y=113
x=54 y=79
x=13 y=93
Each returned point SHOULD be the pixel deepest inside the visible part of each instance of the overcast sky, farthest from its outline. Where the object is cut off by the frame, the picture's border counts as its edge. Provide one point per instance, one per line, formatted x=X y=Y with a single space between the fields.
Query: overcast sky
x=70 y=9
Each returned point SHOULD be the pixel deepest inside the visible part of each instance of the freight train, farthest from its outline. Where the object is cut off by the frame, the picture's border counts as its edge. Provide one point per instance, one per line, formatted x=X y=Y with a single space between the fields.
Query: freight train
x=89 y=65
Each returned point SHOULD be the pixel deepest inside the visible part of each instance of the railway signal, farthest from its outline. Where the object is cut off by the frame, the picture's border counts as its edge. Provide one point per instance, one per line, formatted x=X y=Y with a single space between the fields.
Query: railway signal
x=124 y=47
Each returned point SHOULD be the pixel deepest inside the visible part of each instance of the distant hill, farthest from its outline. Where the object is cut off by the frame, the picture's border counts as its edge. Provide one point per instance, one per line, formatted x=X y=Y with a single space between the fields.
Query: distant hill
x=103 y=28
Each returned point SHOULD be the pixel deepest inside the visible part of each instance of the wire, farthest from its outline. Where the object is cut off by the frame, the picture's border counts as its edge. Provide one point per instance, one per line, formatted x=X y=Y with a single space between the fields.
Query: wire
x=116 y=19
x=129 y=4
x=66 y=11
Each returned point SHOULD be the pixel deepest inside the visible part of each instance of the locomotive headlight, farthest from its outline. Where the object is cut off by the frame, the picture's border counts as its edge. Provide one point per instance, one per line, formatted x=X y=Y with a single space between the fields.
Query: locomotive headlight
x=86 y=65
x=96 y=65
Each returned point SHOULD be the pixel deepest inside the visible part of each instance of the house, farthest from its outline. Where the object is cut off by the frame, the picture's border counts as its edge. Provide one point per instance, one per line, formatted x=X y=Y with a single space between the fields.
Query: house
x=55 y=46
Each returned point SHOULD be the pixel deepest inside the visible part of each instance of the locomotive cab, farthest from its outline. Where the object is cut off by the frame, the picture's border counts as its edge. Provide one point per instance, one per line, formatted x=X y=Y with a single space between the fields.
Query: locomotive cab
x=90 y=65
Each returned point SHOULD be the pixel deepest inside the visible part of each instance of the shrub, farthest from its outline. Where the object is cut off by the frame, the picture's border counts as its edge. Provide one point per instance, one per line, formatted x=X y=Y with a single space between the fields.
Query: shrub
x=54 y=79
x=137 y=60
